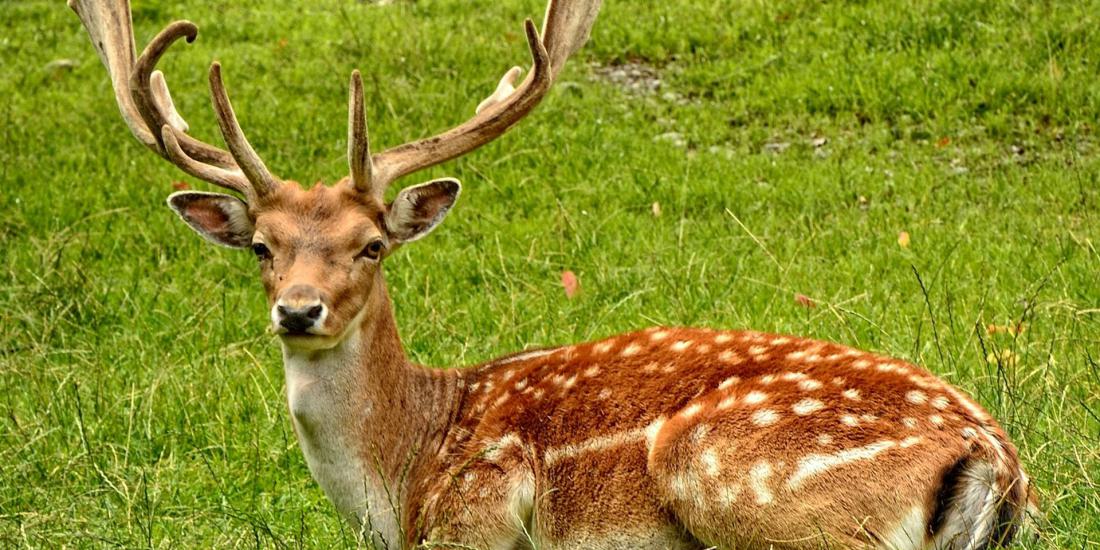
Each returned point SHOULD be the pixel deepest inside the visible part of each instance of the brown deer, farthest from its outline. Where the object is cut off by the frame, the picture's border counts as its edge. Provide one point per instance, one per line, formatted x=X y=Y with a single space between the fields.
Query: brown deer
x=663 y=438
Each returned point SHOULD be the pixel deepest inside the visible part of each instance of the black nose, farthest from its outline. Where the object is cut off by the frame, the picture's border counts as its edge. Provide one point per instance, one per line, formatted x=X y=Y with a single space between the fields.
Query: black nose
x=299 y=319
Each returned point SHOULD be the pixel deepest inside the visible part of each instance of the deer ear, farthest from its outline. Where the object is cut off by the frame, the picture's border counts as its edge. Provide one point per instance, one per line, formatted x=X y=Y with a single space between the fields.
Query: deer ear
x=220 y=219
x=418 y=209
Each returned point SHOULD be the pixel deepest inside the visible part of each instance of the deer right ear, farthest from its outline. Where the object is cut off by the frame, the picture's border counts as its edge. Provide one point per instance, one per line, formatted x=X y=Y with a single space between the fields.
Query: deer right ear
x=220 y=219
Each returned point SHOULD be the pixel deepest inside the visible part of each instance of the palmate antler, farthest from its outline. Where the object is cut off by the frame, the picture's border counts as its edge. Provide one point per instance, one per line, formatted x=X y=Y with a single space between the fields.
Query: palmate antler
x=147 y=107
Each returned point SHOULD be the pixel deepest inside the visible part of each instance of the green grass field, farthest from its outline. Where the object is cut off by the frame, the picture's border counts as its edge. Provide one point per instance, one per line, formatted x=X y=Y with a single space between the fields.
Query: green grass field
x=787 y=145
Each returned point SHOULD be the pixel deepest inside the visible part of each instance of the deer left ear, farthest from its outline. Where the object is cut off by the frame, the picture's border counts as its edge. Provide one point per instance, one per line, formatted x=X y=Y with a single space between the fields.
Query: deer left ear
x=418 y=209
x=220 y=219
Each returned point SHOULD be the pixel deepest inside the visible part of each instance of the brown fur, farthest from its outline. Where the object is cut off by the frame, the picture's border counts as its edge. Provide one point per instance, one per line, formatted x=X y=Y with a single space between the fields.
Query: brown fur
x=663 y=438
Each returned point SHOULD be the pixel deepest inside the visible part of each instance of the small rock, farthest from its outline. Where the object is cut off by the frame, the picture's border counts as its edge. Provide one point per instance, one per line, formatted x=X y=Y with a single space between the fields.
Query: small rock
x=776 y=146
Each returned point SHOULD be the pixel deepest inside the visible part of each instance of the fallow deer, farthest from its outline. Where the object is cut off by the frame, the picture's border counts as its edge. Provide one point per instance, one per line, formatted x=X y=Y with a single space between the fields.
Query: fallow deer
x=663 y=438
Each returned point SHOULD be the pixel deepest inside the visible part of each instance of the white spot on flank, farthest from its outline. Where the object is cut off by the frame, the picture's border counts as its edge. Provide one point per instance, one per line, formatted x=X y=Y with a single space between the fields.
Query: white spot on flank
x=815 y=464
x=767 y=379
x=570 y=382
x=727 y=496
x=603 y=347
x=796 y=355
x=691 y=410
x=793 y=376
x=702 y=348
x=909 y=422
x=936 y=420
x=728 y=382
x=838 y=381
x=860 y=364
x=521 y=385
x=852 y=394
x=807 y=406
x=757 y=351
x=710 y=462
x=890 y=367
x=726 y=403
x=680 y=346
x=659 y=335
x=595 y=444
x=632 y=349
x=604 y=393
x=780 y=340
x=765 y=417
x=591 y=371
x=699 y=433
x=824 y=439
x=651 y=431
x=916 y=397
x=940 y=402
x=651 y=367
x=671 y=367
x=525 y=356
x=755 y=398
x=809 y=385
x=539 y=392
x=849 y=420
x=722 y=338
x=922 y=382
x=969 y=433
x=758 y=480
x=909 y=442
x=868 y=418
x=728 y=356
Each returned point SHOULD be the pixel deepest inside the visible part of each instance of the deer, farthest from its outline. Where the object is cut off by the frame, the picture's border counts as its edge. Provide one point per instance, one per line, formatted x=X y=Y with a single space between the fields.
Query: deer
x=679 y=438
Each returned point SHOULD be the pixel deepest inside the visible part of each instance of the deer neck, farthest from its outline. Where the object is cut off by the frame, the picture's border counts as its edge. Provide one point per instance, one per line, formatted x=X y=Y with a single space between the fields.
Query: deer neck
x=366 y=417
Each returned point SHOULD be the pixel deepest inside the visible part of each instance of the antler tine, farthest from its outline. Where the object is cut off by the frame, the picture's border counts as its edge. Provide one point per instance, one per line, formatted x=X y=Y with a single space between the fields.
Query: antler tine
x=229 y=179
x=566 y=28
x=358 y=144
x=262 y=180
x=156 y=108
x=146 y=104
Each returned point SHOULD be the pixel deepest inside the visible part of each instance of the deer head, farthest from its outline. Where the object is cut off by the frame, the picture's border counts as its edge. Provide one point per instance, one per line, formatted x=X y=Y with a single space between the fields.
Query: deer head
x=320 y=249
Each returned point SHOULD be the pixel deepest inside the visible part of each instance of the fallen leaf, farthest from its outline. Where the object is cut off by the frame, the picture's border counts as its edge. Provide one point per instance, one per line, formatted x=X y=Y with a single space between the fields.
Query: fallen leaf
x=943 y=142
x=805 y=301
x=570 y=283
x=656 y=209
x=180 y=185
x=903 y=239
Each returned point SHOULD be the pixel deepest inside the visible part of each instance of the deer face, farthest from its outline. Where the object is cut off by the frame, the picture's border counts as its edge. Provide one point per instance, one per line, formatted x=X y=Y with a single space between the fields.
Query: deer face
x=319 y=250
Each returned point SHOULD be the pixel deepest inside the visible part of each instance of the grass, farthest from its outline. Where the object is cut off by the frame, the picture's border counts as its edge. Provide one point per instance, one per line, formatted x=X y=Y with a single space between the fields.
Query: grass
x=788 y=145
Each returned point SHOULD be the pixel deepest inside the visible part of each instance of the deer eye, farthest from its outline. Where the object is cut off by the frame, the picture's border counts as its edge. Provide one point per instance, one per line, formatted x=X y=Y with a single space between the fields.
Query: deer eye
x=372 y=251
x=261 y=251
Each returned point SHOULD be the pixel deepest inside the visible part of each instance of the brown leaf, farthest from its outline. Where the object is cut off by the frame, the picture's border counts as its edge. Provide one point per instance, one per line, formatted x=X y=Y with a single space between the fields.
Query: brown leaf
x=570 y=283
x=805 y=301
x=943 y=142
x=180 y=185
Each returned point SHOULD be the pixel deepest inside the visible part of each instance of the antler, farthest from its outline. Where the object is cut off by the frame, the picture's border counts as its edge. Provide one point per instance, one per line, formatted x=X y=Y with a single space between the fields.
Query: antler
x=565 y=29
x=147 y=107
